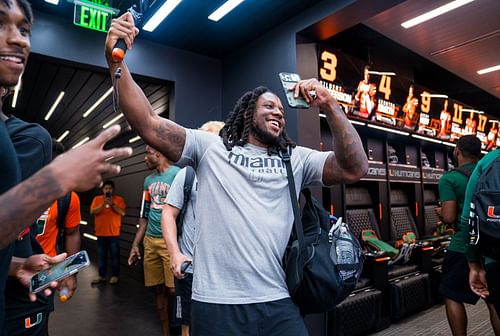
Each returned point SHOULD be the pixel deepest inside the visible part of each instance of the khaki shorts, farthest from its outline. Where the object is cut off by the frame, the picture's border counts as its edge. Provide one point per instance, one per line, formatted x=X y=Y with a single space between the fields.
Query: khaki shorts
x=157 y=263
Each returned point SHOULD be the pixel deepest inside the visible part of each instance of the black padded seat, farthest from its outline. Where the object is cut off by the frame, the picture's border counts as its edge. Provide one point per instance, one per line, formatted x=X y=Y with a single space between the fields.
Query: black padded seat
x=402 y=222
x=361 y=219
x=396 y=271
x=431 y=219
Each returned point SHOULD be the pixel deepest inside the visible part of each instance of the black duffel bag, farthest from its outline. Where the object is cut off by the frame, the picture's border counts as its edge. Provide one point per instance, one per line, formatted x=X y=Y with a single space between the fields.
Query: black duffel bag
x=323 y=263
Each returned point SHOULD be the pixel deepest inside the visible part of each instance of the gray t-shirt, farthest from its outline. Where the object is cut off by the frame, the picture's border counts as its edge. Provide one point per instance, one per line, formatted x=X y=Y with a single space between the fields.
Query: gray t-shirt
x=243 y=217
x=175 y=198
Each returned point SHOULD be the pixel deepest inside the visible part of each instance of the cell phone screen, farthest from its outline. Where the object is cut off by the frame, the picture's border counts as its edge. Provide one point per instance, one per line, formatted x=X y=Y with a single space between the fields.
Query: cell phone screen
x=59 y=271
x=288 y=80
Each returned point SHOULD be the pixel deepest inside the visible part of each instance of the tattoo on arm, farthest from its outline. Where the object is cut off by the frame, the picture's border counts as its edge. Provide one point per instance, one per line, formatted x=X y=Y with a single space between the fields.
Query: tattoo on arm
x=26 y=202
x=349 y=162
x=172 y=137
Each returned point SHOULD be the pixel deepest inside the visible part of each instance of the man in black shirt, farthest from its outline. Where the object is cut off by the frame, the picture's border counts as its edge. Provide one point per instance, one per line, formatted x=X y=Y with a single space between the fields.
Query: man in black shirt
x=27 y=200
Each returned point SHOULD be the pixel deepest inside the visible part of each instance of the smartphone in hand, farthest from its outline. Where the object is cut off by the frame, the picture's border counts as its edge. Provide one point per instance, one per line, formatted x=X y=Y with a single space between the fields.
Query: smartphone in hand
x=56 y=272
x=288 y=80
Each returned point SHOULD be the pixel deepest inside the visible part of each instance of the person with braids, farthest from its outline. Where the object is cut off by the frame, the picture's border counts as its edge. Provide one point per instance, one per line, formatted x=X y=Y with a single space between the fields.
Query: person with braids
x=243 y=211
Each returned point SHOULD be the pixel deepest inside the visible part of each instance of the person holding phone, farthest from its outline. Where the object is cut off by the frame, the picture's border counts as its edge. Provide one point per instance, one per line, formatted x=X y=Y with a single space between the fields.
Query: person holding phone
x=108 y=210
x=243 y=212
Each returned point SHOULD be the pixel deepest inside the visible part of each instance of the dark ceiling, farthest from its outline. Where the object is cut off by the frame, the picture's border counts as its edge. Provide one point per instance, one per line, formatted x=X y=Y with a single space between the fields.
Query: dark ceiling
x=188 y=28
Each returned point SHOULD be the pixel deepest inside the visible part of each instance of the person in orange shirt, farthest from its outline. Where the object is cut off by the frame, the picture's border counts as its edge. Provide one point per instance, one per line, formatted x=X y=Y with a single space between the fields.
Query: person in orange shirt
x=48 y=228
x=108 y=210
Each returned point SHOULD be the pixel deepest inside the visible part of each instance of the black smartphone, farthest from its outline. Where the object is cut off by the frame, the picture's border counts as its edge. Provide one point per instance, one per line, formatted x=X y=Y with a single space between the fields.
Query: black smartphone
x=288 y=80
x=62 y=270
x=108 y=195
x=185 y=266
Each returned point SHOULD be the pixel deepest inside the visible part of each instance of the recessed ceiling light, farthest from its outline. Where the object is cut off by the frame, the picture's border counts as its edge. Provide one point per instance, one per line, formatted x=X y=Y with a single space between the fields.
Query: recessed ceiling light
x=112 y=121
x=81 y=142
x=381 y=73
x=490 y=69
x=134 y=139
x=53 y=108
x=160 y=15
x=472 y=111
x=61 y=138
x=435 y=12
x=16 y=92
x=100 y=100
x=434 y=95
x=222 y=11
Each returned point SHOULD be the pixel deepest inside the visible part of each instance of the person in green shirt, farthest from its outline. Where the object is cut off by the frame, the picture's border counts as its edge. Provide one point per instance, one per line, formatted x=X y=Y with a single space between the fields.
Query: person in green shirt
x=484 y=276
x=454 y=285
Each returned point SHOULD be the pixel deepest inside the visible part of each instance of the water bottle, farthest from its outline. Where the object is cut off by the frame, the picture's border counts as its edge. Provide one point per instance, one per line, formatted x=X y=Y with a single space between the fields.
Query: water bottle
x=345 y=252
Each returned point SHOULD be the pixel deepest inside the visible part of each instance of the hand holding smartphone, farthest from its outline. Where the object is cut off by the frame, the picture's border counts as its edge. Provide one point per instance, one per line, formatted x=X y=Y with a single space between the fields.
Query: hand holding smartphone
x=62 y=270
x=288 y=81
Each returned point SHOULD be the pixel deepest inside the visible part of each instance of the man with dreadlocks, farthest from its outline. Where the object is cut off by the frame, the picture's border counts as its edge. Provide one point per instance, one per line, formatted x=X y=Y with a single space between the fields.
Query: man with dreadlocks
x=243 y=215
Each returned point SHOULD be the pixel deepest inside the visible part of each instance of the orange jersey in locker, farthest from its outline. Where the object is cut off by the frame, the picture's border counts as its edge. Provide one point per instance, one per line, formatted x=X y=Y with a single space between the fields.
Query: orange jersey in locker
x=108 y=222
x=47 y=224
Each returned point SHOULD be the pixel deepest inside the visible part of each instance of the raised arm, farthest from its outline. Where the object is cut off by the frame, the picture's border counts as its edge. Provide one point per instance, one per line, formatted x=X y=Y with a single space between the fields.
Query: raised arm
x=348 y=162
x=25 y=202
x=160 y=133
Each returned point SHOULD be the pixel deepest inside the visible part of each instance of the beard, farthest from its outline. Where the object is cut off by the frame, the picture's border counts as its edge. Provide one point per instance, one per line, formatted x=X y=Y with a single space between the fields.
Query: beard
x=263 y=135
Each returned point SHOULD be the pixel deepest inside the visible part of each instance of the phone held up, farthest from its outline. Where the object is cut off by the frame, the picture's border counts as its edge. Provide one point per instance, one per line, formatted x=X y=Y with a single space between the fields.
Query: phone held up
x=62 y=270
x=288 y=80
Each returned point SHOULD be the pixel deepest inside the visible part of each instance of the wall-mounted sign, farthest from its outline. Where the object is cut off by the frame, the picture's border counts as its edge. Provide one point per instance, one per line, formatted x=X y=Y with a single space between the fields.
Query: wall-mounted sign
x=373 y=97
x=93 y=15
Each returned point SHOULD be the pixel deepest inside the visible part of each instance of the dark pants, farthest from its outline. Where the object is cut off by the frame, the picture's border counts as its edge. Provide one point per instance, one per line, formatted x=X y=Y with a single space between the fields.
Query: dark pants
x=111 y=244
x=275 y=318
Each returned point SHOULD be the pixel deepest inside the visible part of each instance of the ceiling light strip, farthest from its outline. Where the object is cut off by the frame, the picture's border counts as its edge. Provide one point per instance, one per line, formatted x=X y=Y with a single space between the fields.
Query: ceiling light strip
x=134 y=139
x=89 y=236
x=382 y=73
x=450 y=144
x=160 y=15
x=487 y=70
x=223 y=10
x=472 y=111
x=81 y=142
x=434 y=95
x=426 y=139
x=99 y=101
x=388 y=129
x=64 y=135
x=434 y=13
x=112 y=121
x=16 y=92
x=54 y=106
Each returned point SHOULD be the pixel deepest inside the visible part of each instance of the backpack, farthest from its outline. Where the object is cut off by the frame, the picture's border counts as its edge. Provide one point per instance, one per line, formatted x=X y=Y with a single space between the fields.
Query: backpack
x=484 y=221
x=62 y=211
x=324 y=262
x=188 y=185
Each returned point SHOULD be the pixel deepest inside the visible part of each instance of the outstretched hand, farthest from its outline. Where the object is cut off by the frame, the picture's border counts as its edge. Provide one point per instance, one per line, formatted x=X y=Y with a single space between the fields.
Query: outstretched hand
x=81 y=169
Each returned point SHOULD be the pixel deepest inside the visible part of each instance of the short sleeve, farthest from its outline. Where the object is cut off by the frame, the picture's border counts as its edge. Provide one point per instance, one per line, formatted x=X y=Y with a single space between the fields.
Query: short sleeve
x=73 y=217
x=175 y=196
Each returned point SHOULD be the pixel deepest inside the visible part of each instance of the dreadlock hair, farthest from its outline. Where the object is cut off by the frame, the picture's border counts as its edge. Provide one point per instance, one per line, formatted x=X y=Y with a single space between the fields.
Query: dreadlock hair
x=239 y=123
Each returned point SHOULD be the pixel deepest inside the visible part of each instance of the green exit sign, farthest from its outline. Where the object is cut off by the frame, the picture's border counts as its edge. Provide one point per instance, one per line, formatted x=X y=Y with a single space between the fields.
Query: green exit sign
x=93 y=15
